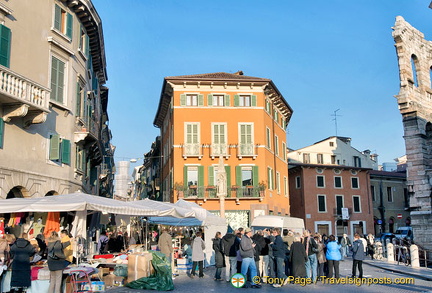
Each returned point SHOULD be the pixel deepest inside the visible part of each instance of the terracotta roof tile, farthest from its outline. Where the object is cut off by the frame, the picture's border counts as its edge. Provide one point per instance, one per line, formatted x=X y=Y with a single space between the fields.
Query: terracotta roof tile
x=218 y=75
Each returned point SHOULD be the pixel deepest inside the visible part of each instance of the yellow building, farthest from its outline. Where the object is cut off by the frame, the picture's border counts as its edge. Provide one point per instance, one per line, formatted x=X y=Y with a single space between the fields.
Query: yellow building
x=240 y=118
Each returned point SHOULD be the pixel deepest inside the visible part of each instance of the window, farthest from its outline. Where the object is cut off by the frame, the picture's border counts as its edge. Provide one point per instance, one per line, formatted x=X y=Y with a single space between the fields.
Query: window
x=267 y=105
x=414 y=63
x=389 y=194
x=270 y=178
x=357 y=161
x=246 y=179
x=331 y=143
x=268 y=138
x=213 y=173
x=284 y=151
x=373 y=193
x=63 y=21
x=60 y=149
x=322 y=208
x=80 y=160
x=218 y=100
x=298 y=182
x=191 y=100
x=285 y=186
x=338 y=182
x=356 y=204
x=333 y=160
x=84 y=43
x=244 y=100
x=194 y=180
x=246 y=147
x=306 y=158
x=5 y=42
x=219 y=143
x=320 y=181
x=276 y=115
x=192 y=139
x=283 y=122
x=57 y=79
x=1 y=132
x=278 y=186
x=192 y=176
x=276 y=145
x=79 y=101
x=339 y=204
x=354 y=182
x=320 y=158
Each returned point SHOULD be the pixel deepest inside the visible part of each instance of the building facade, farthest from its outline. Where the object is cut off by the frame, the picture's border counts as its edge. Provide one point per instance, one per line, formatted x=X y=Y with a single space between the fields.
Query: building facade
x=54 y=137
x=415 y=105
x=334 y=150
x=241 y=119
x=331 y=199
x=390 y=201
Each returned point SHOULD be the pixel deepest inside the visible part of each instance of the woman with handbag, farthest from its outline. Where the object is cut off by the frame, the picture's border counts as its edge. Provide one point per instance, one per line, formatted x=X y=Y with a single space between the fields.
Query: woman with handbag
x=21 y=252
x=56 y=261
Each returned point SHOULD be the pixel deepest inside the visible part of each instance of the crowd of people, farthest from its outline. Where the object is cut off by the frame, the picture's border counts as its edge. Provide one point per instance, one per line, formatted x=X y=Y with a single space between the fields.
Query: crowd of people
x=19 y=253
x=272 y=253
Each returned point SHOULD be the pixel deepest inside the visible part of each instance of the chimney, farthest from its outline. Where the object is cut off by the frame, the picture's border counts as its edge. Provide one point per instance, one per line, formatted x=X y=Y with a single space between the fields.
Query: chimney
x=239 y=72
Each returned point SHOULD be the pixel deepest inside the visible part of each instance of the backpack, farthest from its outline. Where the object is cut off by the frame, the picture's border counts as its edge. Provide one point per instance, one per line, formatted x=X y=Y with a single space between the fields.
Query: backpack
x=51 y=253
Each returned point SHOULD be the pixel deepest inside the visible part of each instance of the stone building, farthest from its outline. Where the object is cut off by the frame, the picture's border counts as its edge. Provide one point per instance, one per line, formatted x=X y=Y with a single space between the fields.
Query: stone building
x=415 y=105
x=54 y=135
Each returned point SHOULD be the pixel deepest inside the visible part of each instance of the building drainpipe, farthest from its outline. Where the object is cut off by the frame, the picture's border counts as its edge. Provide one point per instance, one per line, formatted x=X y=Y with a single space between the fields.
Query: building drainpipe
x=381 y=207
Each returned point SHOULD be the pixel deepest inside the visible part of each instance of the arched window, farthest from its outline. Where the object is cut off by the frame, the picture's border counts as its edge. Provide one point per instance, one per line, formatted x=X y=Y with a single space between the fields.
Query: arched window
x=414 y=63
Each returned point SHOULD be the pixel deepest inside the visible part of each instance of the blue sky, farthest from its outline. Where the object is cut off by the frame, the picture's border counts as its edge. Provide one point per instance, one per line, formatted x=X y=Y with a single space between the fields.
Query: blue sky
x=322 y=56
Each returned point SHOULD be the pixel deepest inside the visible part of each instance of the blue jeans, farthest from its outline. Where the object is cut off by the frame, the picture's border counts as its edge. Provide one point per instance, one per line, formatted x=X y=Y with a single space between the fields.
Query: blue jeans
x=280 y=267
x=248 y=263
x=311 y=267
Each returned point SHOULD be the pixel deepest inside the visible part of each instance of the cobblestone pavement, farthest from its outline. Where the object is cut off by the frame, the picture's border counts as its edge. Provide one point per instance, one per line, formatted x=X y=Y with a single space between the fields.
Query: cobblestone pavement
x=183 y=283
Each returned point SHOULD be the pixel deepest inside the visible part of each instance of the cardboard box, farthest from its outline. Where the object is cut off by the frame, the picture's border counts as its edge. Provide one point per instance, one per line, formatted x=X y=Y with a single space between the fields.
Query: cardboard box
x=111 y=279
x=96 y=286
x=139 y=266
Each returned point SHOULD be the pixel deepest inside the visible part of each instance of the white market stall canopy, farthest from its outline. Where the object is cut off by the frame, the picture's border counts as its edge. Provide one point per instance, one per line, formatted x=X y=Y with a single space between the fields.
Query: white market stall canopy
x=83 y=202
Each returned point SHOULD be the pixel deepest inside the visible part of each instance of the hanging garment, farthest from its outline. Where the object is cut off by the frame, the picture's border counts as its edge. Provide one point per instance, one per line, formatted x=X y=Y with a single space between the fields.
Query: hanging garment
x=52 y=223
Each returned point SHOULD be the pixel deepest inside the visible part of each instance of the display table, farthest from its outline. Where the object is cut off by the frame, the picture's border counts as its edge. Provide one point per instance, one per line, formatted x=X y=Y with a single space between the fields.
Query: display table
x=37 y=286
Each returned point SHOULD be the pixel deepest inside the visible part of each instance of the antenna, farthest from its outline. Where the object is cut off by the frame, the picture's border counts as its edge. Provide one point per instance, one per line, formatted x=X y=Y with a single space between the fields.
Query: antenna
x=335 y=115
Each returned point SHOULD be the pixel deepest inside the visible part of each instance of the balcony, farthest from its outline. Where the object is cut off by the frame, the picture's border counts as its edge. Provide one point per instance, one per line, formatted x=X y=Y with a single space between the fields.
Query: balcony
x=192 y=150
x=234 y=192
x=337 y=213
x=246 y=150
x=88 y=129
x=218 y=149
x=21 y=97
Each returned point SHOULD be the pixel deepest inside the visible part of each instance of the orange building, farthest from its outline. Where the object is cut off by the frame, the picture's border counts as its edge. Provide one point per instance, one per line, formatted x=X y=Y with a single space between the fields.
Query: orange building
x=239 y=118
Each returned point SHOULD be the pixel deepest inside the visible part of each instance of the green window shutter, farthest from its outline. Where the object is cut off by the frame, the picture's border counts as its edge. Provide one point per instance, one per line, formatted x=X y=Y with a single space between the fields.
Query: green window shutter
x=57 y=80
x=57 y=17
x=238 y=176
x=211 y=175
x=66 y=151
x=87 y=45
x=54 y=153
x=78 y=101
x=69 y=25
x=182 y=100
x=1 y=132
x=200 y=100
x=209 y=100
x=200 y=181
x=227 y=100
x=254 y=101
x=89 y=62
x=185 y=177
x=255 y=176
x=236 y=100
x=228 y=175
x=5 y=42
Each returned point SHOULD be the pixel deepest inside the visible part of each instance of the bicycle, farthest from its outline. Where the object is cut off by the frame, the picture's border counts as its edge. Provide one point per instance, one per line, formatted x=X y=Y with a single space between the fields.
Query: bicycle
x=404 y=255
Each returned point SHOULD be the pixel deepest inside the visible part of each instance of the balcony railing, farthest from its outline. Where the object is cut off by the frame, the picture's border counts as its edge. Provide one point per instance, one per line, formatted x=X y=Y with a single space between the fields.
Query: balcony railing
x=18 y=89
x=192 y=150
x=246 y=150
x=219 y=149
x=210 y=192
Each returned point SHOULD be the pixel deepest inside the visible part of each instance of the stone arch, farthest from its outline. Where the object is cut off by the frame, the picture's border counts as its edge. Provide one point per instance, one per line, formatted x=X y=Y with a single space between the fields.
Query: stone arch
x=18 y=192
x=415 y=69
x=51 y=193
x=391 y=224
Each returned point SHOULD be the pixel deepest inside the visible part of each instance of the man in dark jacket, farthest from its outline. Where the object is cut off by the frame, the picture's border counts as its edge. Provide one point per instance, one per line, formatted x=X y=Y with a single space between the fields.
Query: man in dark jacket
x=247 y=252
x=357 y=250
x=279 y=252
x=258 y=239
x=230 y=246
x=21 y=251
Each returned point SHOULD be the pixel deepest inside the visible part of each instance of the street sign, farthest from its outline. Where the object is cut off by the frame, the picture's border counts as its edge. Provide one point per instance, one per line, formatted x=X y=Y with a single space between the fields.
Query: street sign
x=379 y=222
x=399 y=216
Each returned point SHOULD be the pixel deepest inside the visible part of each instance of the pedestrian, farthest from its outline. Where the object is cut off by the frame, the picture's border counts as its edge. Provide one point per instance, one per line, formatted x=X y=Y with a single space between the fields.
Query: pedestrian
x=68 y=251
x=230 y=244
x=20 y=253
x=298 y=258
x=198 y=247
x=272 y=264
x=264 y=256
x=333 y=256
x=370 y=245
x=102 y=243
x=288 y=239
x=311 y=248
x=358 y=255
x=56 y=261
x=4 y=249
x=248 y=262
x=219 y=256
x=364 y=241
x=238 y=256
x=279 y=252
x=165 y=245
x=345 y=243
x=256 y=238
x=321 y=256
